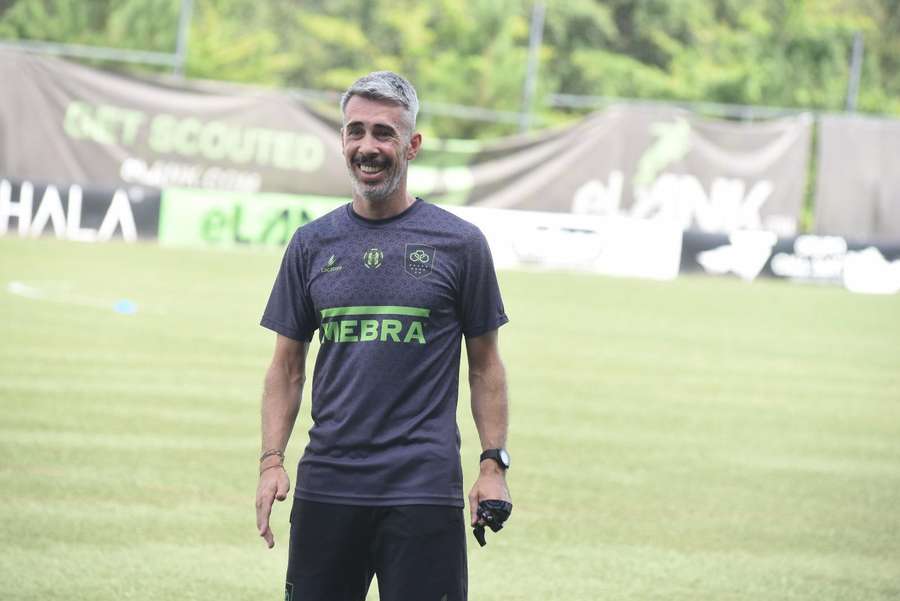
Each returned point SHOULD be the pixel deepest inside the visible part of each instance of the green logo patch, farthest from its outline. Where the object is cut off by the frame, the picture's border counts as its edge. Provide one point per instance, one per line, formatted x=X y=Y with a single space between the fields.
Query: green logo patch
x=373 y=258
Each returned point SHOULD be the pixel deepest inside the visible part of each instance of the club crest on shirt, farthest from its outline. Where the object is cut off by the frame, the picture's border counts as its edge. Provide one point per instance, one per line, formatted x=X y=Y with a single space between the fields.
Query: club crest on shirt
x=373 y=258
x=419 y=259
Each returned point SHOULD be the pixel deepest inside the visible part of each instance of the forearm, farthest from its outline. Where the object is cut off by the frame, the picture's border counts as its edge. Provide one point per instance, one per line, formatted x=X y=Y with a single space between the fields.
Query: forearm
x=490 y=409
x=280 y=405
x=490 y=405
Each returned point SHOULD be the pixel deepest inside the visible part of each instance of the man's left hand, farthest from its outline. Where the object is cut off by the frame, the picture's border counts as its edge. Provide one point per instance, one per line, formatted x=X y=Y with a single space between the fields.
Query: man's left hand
x=491 y=485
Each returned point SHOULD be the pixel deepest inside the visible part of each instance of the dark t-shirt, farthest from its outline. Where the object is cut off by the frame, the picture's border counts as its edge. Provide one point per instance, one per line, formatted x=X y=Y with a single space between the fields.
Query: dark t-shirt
x=391 y=300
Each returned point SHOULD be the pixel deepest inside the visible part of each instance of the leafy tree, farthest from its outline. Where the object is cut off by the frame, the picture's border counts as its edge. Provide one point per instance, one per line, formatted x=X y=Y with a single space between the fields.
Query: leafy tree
x=791 y=53
x=135 y=24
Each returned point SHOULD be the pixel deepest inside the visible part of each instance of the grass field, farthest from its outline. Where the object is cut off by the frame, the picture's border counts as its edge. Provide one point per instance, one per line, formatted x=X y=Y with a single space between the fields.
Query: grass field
x=693 y=440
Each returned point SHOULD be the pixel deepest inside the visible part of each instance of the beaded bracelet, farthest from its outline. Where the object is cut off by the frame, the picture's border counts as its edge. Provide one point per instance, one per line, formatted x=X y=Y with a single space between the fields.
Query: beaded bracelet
x=271 y=453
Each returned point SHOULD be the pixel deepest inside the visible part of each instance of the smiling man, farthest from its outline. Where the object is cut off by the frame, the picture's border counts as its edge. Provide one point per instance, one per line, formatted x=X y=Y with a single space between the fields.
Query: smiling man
x=392 y=284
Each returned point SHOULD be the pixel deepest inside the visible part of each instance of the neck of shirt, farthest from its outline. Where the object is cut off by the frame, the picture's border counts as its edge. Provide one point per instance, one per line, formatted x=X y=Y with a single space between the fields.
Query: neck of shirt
x=387 y=220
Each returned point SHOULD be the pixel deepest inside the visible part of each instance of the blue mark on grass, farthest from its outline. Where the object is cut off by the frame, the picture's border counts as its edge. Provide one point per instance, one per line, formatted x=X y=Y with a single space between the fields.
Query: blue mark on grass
x=125 y=306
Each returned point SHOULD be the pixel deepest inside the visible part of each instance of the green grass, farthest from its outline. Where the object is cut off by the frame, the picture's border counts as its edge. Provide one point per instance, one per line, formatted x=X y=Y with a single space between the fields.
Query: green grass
x=700 y=439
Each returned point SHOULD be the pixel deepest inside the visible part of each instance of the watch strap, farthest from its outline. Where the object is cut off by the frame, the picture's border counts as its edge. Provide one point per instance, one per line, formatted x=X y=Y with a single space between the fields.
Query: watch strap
x=495 y=454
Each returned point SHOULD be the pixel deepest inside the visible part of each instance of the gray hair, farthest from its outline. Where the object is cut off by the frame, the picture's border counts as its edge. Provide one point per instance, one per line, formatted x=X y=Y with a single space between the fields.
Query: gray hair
x=385 y=86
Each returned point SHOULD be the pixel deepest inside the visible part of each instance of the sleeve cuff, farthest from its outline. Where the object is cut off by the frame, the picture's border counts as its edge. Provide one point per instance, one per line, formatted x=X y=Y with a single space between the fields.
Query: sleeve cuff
x=484 y=328
x=280 y=328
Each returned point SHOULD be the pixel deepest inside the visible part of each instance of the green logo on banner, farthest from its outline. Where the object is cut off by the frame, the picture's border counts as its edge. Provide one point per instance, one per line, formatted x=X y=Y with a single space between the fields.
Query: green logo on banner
x=232 y=219
x=194 y=137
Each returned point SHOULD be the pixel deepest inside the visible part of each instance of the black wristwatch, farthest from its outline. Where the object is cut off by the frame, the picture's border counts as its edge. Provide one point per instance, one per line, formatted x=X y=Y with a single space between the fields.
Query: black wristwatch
x=501 y=456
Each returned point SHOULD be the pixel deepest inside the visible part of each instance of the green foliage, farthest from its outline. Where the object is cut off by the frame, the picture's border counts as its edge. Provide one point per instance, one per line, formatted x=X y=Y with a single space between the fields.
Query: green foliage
x=134 y=24
x=226 y=38
x=793 y=53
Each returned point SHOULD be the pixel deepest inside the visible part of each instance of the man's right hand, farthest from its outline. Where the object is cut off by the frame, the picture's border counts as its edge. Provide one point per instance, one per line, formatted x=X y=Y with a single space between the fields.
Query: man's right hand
x=273 y=484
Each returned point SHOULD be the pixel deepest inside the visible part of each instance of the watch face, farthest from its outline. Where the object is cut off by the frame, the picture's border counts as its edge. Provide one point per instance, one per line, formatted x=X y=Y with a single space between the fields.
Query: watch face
x=504 y=457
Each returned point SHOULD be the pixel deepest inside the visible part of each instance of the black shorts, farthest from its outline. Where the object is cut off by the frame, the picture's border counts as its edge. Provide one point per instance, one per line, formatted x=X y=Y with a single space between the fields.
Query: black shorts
x=417 y=552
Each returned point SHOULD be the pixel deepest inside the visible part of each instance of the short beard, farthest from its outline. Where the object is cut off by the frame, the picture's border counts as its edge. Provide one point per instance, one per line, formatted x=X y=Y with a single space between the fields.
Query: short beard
x=381 y=192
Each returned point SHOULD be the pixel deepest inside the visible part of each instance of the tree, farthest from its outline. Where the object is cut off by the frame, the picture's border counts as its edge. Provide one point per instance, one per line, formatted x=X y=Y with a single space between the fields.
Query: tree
x=791 y=53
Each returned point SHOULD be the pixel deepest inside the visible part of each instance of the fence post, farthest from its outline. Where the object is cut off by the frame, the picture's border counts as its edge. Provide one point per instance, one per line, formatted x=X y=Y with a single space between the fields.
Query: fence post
x=855 y=68
x=184 y=28
x=536 y=36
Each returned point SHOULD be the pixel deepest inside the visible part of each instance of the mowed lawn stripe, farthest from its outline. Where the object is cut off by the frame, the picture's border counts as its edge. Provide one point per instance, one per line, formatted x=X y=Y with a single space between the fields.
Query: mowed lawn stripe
x=688 y=440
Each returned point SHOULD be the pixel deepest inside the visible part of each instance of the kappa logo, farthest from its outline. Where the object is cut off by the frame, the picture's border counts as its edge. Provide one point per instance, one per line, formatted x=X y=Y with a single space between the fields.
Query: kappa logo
x=373 y=258
x=331 y=265
x=419 y=260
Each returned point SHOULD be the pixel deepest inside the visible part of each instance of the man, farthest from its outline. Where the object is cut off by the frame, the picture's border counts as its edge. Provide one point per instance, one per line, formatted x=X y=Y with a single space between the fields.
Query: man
x=392 y=284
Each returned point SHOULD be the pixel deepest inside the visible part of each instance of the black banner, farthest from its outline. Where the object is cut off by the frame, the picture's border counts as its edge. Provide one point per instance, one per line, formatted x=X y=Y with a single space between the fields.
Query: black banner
x=809 y=258
x=82 y=213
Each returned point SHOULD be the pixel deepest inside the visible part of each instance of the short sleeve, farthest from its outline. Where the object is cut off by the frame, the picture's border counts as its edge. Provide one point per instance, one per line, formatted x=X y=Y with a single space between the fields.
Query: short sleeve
x=290 y=310
x=480 y=304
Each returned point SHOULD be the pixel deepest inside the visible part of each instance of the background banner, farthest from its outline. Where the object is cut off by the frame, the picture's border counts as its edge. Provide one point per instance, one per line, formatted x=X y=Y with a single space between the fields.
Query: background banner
x=619 y=246
x=859 y=267
x=616 y=246
x=644 y=162
x=234 y=219
x=858 y=182
x=65 y=122
x=29 y=209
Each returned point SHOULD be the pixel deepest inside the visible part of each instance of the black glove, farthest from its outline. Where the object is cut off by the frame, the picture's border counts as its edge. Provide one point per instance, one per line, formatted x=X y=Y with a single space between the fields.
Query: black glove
x=492 y=514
